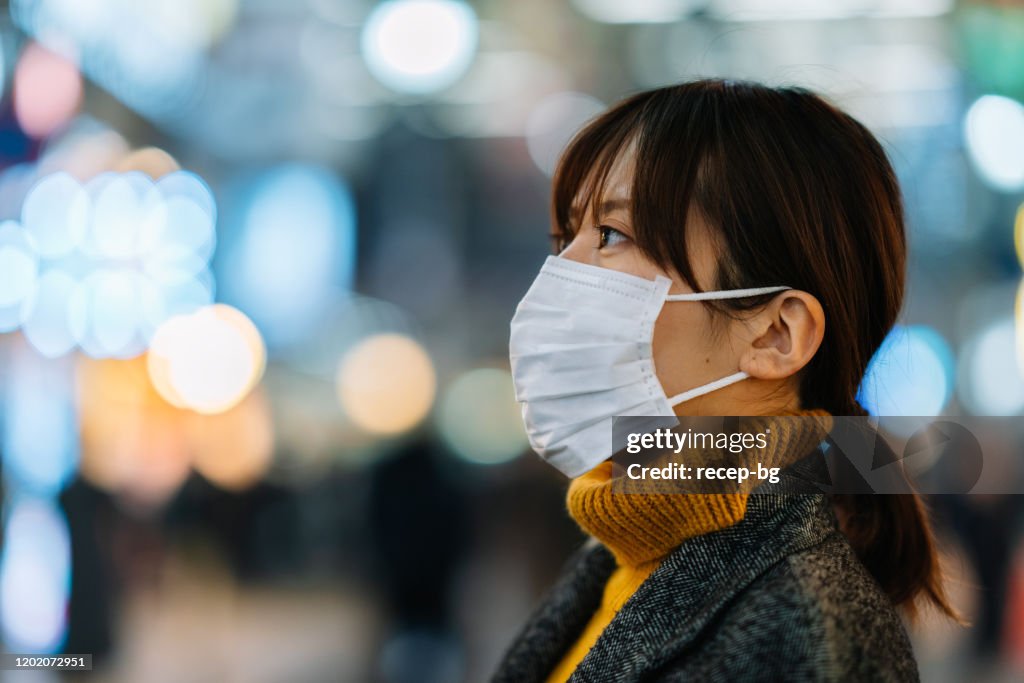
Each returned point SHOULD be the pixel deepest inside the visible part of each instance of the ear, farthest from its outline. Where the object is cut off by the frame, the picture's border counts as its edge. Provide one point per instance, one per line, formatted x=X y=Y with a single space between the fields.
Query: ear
x=787 y=333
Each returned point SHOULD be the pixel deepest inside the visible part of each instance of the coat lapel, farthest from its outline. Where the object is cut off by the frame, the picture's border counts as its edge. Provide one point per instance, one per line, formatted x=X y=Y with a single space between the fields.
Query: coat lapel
x=561 y=617
x=696 y=580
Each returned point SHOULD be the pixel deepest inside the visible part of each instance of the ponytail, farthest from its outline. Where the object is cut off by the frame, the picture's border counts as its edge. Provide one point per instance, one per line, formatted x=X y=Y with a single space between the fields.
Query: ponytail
x=892 y=537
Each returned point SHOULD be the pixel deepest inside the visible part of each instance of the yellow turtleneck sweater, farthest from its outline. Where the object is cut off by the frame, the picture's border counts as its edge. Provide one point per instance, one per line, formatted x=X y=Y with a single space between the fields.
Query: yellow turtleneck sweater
x=641 y=529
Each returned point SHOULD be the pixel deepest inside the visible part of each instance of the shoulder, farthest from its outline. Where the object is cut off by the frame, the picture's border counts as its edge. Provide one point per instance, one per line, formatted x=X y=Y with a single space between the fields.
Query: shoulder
x=863 y=635
x=815 y=615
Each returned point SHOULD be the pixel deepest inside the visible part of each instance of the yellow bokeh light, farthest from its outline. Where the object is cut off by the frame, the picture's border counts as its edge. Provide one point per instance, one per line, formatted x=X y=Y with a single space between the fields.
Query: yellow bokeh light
x=153 y=161
x=386 y=384
x=132 y=442
x=207 y=361
x=234 y=449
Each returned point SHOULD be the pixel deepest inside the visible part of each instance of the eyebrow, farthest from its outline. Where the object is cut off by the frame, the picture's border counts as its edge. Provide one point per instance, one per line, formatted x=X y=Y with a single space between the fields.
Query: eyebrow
x=603 y=208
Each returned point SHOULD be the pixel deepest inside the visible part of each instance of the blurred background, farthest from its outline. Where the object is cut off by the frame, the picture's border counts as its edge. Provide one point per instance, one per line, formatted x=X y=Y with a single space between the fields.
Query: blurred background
x=257 y=264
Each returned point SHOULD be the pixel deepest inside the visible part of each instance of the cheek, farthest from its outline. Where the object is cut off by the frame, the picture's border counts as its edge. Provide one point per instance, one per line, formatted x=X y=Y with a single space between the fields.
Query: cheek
x=685 y=353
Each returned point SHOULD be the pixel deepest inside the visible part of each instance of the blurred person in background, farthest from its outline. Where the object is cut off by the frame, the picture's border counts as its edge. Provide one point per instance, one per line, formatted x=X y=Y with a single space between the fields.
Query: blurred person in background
x=417 y=515
x=784 y=214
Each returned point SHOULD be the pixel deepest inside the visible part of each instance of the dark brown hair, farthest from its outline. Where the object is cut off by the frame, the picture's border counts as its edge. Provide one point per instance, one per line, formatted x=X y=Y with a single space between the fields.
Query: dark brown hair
x=799 y=193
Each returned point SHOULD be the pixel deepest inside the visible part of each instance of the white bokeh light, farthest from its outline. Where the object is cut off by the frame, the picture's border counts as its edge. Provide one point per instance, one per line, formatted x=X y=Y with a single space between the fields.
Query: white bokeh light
x=790 y=10
x=48 y=321
x=35 y=577
x=990 y=380
x=637 y=11
x=207 y=361
x=56 y=214
x=419 y=46
x=994 y=135
x=108 y=261
x=20 y=267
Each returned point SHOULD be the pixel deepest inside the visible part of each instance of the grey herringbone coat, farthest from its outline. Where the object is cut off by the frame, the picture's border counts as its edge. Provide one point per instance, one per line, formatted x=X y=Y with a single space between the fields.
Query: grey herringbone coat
x=778 y=597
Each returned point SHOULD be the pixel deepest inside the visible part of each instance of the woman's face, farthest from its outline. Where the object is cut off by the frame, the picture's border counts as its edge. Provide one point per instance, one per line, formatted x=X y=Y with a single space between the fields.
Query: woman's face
x=690 y=349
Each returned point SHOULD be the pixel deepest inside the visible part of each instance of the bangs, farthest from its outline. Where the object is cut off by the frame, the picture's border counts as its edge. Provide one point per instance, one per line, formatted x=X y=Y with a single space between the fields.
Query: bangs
x=582 y=171
x=660 y=128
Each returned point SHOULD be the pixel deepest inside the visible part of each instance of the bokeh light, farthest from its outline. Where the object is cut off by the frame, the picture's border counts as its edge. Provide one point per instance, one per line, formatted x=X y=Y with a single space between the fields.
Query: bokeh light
x=48 y=322
x=1019 y=321
x=479 y=417
x=152 y=161
x=994 y=135
x=295 y=252
x=381 y=170
x=107 y=314
x=148 y=56
x=47 y=90
x=553 y=122
x=990 y=380
x=419 y=46
x=386 y=384
x=39 y=442
x=20 y=267
x=990 y=47
x=133 y=442
x=637 y=11
x=796 y=10
x=56 y=214
x=35 y=577
x=911 y=374
x=207 y=361
x=1018 y=234
x=118 y=257
x=234 y=449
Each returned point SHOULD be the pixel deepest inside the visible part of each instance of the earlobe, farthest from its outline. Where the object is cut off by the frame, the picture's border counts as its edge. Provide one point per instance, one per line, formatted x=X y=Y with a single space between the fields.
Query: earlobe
x=788 y=332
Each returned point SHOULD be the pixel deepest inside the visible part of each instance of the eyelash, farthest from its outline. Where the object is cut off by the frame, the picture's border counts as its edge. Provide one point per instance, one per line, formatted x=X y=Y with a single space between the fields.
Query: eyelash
x=559 y=241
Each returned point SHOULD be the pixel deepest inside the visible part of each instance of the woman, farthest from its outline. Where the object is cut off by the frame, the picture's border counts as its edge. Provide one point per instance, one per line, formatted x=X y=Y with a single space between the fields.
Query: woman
x=740 y=249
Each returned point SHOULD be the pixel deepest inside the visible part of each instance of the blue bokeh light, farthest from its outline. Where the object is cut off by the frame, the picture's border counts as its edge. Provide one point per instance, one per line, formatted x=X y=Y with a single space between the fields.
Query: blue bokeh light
x=911 y=374
x=40 y=445
x=20 y=268
x=293 y=250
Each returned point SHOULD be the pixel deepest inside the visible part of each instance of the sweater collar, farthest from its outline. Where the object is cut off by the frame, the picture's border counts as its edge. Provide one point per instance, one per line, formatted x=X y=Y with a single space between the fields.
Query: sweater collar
x=640 y=528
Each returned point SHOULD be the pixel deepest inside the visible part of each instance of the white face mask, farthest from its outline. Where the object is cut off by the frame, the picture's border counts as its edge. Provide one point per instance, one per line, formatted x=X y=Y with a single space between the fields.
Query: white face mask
x=581 y=354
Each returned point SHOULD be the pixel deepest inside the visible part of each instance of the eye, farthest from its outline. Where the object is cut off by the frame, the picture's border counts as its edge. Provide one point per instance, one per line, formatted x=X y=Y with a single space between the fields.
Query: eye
x=609 y=237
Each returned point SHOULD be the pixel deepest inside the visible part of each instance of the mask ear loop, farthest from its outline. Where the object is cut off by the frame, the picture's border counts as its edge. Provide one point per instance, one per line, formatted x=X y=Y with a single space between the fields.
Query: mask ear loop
x=714 y=296
x=707 y=388
x=726 y=294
